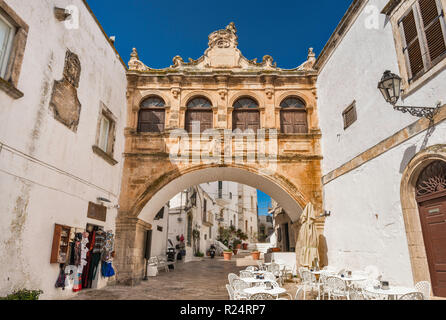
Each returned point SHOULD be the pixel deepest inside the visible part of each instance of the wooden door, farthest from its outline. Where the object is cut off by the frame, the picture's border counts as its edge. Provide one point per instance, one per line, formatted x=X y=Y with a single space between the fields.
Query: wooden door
x=246 y=119
x=293 y=121
x=205 y=117
x=433 y=223
x=431 y=198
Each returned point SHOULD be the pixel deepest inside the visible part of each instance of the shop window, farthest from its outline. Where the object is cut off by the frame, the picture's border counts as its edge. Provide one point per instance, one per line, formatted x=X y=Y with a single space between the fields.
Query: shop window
x=349 y=115
x=13 y=36
x=151 y=117
x=423 y=35
x=293 y=116
x=105 y=137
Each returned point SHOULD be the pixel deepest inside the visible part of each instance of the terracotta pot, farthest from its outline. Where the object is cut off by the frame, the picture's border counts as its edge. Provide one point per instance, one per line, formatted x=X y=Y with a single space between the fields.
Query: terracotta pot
x=255 y=255
x=239 y=246
x=245 y=246
x=227 y=255
x=275 y=250
x=235 y=251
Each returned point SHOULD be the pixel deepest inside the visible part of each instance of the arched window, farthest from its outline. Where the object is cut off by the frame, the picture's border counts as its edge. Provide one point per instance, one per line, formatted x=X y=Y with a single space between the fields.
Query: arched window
x=199 y=110
x=151 y=117
x=293 y=116
x=246 y=115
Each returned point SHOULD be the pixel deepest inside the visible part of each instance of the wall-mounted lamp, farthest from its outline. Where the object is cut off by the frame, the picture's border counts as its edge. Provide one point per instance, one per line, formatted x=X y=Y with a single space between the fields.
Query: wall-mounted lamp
x=390 y=87
x=325 y=214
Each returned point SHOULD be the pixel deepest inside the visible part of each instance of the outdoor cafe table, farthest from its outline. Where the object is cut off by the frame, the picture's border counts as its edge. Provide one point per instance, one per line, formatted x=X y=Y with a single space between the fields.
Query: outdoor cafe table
x=352 y=278
x=393 y=292
x=255 y=290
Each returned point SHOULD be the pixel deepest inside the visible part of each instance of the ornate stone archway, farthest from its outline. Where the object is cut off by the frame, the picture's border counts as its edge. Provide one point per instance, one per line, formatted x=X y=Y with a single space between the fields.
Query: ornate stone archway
x=151 y=175
x=417 y=250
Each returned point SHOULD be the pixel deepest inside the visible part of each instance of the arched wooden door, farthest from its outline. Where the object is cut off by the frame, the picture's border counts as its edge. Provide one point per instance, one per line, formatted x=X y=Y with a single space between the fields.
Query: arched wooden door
x=431 y=198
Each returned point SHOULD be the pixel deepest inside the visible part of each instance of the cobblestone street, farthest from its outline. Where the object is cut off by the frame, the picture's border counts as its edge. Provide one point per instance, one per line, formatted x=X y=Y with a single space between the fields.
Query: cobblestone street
x=196 y=280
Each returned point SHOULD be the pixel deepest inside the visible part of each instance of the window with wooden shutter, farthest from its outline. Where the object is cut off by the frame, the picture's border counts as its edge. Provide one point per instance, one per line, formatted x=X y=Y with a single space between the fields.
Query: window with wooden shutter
x=293 y=116
x=350 y=115
x=246 y=115
x=423 y=35
x=152 y=115
x=199 y=110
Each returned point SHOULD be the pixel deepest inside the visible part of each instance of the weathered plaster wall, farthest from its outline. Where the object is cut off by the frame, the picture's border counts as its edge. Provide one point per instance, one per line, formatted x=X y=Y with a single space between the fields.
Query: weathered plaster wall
x=367 y=226
x=63 y=175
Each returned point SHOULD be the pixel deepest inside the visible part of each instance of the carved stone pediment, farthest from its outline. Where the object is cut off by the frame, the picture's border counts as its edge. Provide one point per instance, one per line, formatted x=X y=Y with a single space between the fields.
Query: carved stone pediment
x=222 y=54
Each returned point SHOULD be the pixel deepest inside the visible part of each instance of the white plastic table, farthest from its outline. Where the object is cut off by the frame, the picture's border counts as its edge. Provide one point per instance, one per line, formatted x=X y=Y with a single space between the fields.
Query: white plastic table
x=393 y=292
x=352 y=278
x=255 y=290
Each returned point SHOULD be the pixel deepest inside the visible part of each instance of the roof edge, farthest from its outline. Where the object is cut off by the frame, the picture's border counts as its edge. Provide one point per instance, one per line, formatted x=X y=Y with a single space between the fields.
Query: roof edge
x=104 y=33
x=341 y=30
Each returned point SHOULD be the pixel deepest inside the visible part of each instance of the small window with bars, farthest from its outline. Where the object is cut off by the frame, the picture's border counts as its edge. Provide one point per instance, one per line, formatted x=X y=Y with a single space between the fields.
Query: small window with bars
x=423 y=33
x=350 y=115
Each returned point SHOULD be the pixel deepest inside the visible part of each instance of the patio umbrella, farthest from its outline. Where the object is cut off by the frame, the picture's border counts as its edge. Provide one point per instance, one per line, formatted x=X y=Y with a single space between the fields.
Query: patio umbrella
x=307 y=242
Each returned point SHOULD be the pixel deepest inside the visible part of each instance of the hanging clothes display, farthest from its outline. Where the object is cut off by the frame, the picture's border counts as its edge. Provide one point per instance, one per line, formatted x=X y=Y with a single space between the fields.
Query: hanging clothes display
x=85 y=271
x=107 y=256
x=60 y=283
x=80 y=260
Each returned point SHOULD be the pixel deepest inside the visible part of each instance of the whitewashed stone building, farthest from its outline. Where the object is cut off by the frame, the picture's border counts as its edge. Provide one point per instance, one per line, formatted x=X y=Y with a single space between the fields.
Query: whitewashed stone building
x=206 y=208
x=383 y=170
x=62 y=112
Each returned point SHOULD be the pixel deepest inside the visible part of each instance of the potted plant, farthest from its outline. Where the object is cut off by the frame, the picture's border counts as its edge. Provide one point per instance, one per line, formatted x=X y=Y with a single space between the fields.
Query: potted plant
x=245 y=246
x=236 y=244
x=255 y=254
x=227 y=254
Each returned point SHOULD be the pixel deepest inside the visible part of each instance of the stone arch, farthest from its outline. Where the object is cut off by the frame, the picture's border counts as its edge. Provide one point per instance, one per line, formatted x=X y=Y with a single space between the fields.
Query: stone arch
x=150 y=93
x=411 y=215
x=309 y=101
x=171 y=183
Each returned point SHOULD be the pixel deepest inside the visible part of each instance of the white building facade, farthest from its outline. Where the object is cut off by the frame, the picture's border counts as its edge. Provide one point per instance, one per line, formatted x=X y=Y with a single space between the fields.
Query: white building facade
x=374 y=157
x=62 y=113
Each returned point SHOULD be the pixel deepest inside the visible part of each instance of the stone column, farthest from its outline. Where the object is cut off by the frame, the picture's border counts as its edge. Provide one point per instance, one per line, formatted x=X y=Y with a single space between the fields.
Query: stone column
x=129 y=247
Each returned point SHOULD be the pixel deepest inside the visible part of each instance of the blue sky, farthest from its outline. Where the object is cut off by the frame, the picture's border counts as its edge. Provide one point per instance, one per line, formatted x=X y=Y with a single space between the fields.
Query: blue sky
x=160 y=30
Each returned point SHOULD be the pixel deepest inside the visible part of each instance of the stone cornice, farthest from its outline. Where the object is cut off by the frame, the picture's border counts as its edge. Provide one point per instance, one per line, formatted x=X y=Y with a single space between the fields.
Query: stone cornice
x=107 y=38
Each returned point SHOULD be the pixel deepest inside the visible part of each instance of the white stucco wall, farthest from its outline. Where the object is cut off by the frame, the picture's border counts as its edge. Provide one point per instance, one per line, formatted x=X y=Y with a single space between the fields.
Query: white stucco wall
x=63 y=175
x=366 y=226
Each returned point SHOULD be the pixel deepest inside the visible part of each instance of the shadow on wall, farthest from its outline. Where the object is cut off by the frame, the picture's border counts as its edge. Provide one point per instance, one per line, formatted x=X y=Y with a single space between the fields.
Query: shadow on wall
x=323 y=250
x=408 y=155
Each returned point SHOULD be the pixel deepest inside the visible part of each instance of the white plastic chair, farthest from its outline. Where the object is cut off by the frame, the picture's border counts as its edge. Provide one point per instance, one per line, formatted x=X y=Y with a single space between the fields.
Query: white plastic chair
x=336 y=288
x=309 y=281
x=425 y=288
x=412 y=296
x=230 y=292
x=231 y=277
x=239 y=285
